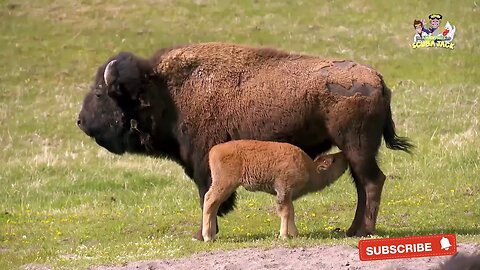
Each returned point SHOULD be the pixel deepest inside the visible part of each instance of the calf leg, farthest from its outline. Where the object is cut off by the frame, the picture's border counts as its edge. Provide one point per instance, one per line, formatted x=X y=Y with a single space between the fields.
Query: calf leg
x=284 y=210
x=292 y=228
x=215 y=196
x=209 y=214
x=202 y=177
x=202 y=193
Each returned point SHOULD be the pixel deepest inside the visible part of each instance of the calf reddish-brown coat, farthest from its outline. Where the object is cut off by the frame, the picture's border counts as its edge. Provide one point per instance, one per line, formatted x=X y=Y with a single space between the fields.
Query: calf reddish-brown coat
x=184 y=100
x=280 y=169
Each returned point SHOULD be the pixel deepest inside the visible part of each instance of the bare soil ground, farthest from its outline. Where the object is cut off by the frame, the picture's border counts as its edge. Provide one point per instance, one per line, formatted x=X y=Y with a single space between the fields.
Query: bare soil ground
x=319 y=257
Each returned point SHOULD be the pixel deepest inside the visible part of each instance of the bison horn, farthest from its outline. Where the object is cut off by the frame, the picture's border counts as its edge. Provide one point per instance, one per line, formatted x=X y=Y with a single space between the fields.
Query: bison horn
x=134 y=124
x=109 y=74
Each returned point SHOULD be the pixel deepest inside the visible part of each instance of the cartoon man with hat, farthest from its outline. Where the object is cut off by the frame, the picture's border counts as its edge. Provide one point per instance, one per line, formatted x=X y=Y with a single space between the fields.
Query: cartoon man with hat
x=435 y=20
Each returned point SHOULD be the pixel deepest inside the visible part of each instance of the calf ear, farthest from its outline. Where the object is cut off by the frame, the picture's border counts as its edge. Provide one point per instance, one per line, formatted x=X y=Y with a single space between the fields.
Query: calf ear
x=324 y=162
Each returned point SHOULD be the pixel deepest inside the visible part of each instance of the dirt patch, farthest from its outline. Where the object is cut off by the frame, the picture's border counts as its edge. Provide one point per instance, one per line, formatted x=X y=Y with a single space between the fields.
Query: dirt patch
x=320 y=257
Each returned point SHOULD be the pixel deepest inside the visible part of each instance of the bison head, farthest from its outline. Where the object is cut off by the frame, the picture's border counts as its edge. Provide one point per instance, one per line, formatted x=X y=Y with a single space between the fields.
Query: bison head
x=113 y=103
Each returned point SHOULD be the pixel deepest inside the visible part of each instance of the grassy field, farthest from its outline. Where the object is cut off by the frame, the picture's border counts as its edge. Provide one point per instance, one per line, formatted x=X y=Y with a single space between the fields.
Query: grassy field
x=68 y=203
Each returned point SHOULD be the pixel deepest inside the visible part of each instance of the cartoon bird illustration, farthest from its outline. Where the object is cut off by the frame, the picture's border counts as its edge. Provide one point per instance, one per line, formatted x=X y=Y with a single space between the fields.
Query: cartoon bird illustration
x=448 y=32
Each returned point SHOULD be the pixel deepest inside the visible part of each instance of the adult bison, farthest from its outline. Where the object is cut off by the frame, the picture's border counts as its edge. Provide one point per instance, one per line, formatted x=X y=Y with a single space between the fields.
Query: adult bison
x=184 y=100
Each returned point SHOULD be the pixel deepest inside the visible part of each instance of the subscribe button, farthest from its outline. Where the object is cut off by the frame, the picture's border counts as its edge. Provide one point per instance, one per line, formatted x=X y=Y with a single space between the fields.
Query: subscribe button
x=407 y=247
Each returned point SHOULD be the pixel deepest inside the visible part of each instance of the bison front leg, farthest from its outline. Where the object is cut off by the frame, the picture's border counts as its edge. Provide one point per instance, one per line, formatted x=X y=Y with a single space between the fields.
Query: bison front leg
x=369 y=180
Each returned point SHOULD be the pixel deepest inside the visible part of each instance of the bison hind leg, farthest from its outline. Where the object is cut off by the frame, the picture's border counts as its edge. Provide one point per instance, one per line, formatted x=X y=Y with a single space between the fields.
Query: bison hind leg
x=369 y=180
x=360 y=144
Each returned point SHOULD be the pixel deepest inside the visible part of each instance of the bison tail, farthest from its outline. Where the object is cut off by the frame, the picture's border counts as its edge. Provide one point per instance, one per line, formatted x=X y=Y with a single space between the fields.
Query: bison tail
x=227 y=205
x=392 y=140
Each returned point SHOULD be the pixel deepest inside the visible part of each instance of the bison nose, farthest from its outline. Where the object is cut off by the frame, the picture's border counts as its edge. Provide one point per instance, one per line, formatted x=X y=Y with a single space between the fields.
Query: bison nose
x=81 y=124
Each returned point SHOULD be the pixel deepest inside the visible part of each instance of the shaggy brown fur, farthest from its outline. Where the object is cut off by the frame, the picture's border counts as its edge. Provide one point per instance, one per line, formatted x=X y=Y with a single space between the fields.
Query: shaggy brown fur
x=461 y=262
x=280 y=169
x=187 y=99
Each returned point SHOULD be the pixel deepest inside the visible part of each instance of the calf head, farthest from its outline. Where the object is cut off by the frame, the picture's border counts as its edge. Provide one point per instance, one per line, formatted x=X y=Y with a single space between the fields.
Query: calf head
x=331 y=166
x=115 y=98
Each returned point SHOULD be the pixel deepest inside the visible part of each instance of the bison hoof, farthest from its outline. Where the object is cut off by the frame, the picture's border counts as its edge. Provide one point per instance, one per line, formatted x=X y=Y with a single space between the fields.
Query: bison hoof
x=353 y=232
x=293 y=232
x=197 y=236
x=208 y=238
x=208 y=235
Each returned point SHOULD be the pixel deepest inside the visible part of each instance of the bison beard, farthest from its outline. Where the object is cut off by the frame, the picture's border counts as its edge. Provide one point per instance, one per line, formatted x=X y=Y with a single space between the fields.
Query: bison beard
x=184 y=100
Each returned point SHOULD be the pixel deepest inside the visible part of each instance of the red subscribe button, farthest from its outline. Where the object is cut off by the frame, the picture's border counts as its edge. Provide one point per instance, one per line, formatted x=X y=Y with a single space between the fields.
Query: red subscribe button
x=407 y=247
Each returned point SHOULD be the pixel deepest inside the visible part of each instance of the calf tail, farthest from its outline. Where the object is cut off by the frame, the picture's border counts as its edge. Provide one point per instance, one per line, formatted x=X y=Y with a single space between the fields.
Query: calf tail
x=392 y=140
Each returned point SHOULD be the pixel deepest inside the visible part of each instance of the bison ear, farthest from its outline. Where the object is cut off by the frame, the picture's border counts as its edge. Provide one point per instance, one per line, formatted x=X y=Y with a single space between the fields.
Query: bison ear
x=111 y=78
x=110 y=74
x=124 y=77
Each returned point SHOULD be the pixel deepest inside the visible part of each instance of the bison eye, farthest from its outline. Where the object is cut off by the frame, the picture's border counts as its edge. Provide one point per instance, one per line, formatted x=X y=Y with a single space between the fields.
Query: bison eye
x=98 y=90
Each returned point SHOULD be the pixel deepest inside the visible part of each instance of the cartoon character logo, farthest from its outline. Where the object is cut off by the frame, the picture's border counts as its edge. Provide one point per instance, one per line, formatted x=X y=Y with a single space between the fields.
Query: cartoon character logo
x=433 y=36
x=435 y=20
x=448 y=32
x=420 y=34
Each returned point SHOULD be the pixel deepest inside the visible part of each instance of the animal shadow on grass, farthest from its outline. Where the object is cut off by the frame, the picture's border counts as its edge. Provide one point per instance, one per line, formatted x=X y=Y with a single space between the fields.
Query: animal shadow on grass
x=413 y=232
x=248 y=237
x=340 y=234
x=325 y=234
x=461 y=262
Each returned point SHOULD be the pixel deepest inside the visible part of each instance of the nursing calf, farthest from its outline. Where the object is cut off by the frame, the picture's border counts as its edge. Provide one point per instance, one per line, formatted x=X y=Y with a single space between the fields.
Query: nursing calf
x=280 y=169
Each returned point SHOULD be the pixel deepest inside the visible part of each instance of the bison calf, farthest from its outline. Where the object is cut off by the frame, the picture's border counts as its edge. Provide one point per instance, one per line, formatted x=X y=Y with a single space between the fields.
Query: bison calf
x=280 y=169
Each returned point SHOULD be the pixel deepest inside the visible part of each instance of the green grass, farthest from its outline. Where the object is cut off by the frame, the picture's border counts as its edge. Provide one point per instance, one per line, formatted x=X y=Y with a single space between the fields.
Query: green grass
x=68 y=203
